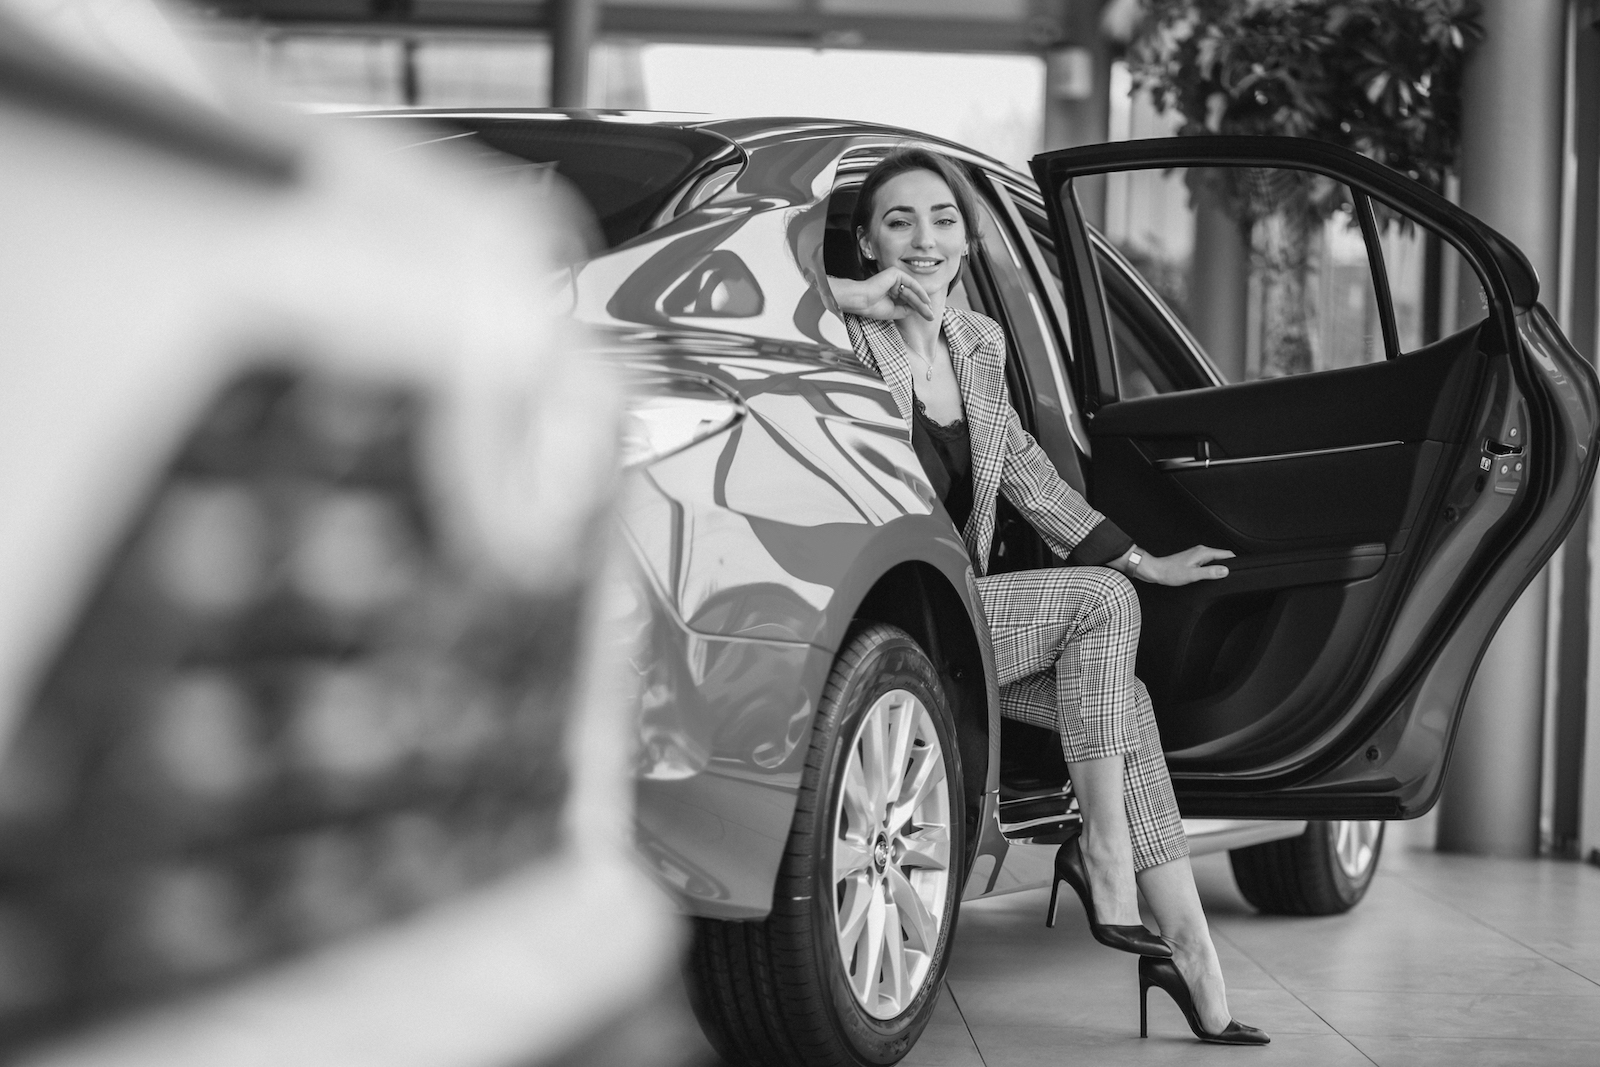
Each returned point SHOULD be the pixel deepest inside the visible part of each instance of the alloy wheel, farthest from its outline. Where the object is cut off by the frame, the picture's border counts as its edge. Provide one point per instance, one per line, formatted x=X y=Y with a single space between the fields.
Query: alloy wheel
x=891 y=853
x=1355 y=846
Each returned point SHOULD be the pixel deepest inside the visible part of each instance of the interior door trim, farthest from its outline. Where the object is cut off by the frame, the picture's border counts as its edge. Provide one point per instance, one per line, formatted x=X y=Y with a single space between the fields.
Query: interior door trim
x=1186 y=463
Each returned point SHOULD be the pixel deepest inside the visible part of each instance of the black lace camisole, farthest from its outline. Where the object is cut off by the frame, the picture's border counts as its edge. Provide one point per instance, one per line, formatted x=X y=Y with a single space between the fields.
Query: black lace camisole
x=946 y=455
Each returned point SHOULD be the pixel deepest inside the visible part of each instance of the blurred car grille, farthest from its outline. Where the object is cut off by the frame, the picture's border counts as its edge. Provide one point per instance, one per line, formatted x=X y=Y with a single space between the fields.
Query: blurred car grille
x=288 y=713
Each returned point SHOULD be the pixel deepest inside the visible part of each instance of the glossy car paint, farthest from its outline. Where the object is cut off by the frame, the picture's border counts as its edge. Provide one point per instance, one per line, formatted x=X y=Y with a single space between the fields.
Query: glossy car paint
x=757 y=546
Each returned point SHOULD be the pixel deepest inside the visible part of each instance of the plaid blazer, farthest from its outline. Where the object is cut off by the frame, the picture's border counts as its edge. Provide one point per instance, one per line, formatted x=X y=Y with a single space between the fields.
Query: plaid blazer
x=1005 y=457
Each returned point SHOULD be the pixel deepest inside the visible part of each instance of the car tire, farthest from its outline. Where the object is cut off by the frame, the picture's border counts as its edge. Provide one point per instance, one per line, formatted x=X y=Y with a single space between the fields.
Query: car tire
x=1324 y=871
x=800 y=988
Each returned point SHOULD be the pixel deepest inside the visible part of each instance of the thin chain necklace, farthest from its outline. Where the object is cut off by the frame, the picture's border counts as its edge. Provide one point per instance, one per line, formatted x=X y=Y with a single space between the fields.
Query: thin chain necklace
x=927 y=374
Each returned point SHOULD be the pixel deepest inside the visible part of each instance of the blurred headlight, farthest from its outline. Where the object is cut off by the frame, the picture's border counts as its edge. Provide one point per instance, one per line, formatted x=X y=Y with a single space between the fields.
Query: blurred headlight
x=667 y=413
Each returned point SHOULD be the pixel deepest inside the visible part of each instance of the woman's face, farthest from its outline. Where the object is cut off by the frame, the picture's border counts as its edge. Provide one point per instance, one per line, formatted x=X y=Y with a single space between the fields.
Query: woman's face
x=917 y=227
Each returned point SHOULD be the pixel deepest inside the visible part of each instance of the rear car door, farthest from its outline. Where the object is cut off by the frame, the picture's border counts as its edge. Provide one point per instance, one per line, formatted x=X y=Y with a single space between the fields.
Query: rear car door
x=1390 y=481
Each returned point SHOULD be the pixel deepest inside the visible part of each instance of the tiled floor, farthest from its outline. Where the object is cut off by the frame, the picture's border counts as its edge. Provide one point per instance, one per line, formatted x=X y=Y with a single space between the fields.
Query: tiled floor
x=1450 y=960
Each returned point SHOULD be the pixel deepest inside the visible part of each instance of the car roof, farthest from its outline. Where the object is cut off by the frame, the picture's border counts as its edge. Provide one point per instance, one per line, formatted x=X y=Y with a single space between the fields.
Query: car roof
x=748 y=133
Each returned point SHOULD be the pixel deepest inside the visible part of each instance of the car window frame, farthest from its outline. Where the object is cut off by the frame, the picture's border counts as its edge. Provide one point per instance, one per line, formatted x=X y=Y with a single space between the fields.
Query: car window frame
x=1056 y=323
x=1196 y=353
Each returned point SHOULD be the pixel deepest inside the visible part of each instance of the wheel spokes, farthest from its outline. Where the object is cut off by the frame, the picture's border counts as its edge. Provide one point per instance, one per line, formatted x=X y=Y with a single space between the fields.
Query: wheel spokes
x=873 y=747
x=858 y=894
x=926 y=774
x=869 y=948
x=1354 y=845
x=919 y=926
x=850 y=856
x=927 y=847
x=891 y=824
x=858 y=808
x=896 y=972
x=902 y=729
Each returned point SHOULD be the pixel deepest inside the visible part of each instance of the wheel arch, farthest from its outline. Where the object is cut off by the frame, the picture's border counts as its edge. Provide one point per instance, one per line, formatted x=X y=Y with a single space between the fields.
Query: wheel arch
x=918 y=598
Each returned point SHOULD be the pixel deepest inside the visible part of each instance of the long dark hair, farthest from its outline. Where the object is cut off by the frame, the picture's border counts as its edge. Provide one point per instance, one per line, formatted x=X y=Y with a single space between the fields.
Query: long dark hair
x=896 y=163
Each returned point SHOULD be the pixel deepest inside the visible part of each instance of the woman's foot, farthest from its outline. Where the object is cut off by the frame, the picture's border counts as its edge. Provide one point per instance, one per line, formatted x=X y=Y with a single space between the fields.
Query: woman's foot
x=1108 y=860
x=1196 y=960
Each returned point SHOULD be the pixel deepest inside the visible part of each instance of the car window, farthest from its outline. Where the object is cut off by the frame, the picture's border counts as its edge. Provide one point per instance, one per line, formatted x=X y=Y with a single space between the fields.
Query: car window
x=1436 y=292
x=1267 y=268
x=1034 y=371
x=1153 y=352
x=627 y=174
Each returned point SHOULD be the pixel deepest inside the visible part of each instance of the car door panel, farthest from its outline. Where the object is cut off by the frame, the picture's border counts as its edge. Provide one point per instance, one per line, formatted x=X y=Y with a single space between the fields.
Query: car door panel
x=1377 y=533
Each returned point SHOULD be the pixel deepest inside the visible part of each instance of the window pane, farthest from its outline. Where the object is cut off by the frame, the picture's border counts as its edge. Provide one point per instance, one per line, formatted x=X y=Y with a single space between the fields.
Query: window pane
x=1435 y=291
x=1267 y=267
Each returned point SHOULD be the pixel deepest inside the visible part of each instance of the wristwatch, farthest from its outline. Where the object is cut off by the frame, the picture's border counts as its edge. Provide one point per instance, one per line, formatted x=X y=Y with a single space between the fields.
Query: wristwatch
x=1134 y=557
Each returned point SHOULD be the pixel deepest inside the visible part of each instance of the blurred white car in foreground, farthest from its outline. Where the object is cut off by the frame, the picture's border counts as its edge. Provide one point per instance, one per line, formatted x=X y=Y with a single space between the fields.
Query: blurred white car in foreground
x=311 y=750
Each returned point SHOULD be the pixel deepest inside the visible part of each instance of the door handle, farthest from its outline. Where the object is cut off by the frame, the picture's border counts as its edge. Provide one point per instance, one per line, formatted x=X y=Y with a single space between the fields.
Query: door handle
x=1186 y=464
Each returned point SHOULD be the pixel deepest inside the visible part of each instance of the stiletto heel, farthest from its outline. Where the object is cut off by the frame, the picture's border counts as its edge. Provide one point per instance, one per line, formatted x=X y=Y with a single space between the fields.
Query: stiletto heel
x=1164 y=974
x=1144 y=1003
x=1135 y=938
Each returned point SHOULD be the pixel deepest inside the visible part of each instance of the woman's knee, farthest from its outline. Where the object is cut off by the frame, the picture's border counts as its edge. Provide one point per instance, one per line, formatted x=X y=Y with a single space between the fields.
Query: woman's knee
x=1116 y=596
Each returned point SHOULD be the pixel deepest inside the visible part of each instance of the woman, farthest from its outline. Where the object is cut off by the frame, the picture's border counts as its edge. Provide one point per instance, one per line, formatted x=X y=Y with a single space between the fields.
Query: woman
x=1064 y=638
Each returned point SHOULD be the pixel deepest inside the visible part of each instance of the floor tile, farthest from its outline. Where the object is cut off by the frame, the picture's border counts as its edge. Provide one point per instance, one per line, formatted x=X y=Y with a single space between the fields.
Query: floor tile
x=943 y=1045
x=1458 y=1015
x=1112 y=1007
x=1450 y=960
x=945 y=1012
x=1040 y=1046
x=1476 y=1052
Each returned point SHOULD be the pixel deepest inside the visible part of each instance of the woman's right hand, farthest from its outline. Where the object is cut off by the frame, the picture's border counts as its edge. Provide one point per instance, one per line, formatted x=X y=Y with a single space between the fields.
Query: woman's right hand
x=889 y=294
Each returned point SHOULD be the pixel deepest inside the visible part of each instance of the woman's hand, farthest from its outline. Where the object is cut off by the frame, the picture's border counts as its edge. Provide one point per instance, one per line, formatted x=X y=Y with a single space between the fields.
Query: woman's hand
x=1197 y=564
x=889 y=294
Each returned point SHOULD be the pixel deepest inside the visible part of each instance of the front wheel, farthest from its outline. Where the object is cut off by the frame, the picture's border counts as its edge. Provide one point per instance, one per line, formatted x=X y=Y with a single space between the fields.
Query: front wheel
x=1324 y=871
x=846 y=969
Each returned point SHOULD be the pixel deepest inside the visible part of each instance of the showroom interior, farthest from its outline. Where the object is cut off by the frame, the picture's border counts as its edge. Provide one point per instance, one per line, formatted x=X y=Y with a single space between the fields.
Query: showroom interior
x=1478 y=938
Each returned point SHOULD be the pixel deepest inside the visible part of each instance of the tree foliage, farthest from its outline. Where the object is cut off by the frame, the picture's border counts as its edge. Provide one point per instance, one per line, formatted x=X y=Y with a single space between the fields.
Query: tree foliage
x=1380 y=76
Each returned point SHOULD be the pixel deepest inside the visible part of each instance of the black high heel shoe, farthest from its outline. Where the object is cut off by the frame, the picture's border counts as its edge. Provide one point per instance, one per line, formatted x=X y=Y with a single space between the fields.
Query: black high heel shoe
x=1164 y=974
x=1071 y=870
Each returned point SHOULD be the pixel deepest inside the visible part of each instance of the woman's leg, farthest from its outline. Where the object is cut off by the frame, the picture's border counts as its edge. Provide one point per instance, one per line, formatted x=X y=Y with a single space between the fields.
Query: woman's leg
x=1161 y=855
x=1106 y=841
x=1080 y=627
x=1169 y=888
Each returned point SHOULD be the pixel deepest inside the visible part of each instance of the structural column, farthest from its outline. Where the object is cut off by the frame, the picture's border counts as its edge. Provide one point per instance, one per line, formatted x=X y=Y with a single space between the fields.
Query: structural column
x=1511 y=178
x=574 y=24
x=1575 y=789
x=1077 y=97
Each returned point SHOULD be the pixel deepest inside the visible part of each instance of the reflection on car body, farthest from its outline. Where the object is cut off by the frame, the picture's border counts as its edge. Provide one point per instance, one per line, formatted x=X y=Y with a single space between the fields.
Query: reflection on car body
x=785 y=546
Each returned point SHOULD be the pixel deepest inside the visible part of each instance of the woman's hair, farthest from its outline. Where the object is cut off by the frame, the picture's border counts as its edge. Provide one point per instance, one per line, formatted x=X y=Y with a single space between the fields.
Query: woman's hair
x=899 y=162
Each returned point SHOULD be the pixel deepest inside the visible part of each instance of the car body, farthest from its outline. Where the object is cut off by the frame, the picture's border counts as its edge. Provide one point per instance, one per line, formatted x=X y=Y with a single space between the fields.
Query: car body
x=779 y=518
x=311 y=742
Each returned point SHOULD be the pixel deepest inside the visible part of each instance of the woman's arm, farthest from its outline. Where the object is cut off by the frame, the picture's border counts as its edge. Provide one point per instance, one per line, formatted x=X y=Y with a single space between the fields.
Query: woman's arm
x=1064 y=518
x=889 y=294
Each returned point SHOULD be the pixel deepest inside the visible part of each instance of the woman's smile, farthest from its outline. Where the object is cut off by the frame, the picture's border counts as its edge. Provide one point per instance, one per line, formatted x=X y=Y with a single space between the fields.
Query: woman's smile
x=917 y=226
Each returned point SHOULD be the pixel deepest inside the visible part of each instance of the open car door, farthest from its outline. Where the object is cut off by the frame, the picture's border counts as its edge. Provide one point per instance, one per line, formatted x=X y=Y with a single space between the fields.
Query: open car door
x=1388 y=493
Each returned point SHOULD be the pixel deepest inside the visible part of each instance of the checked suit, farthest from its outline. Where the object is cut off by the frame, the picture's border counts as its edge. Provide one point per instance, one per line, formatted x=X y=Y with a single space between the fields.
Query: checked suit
x=1065 y=637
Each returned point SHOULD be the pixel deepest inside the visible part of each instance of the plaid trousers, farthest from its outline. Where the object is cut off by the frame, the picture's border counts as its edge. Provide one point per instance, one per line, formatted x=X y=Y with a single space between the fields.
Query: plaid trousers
x=1064 y=643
